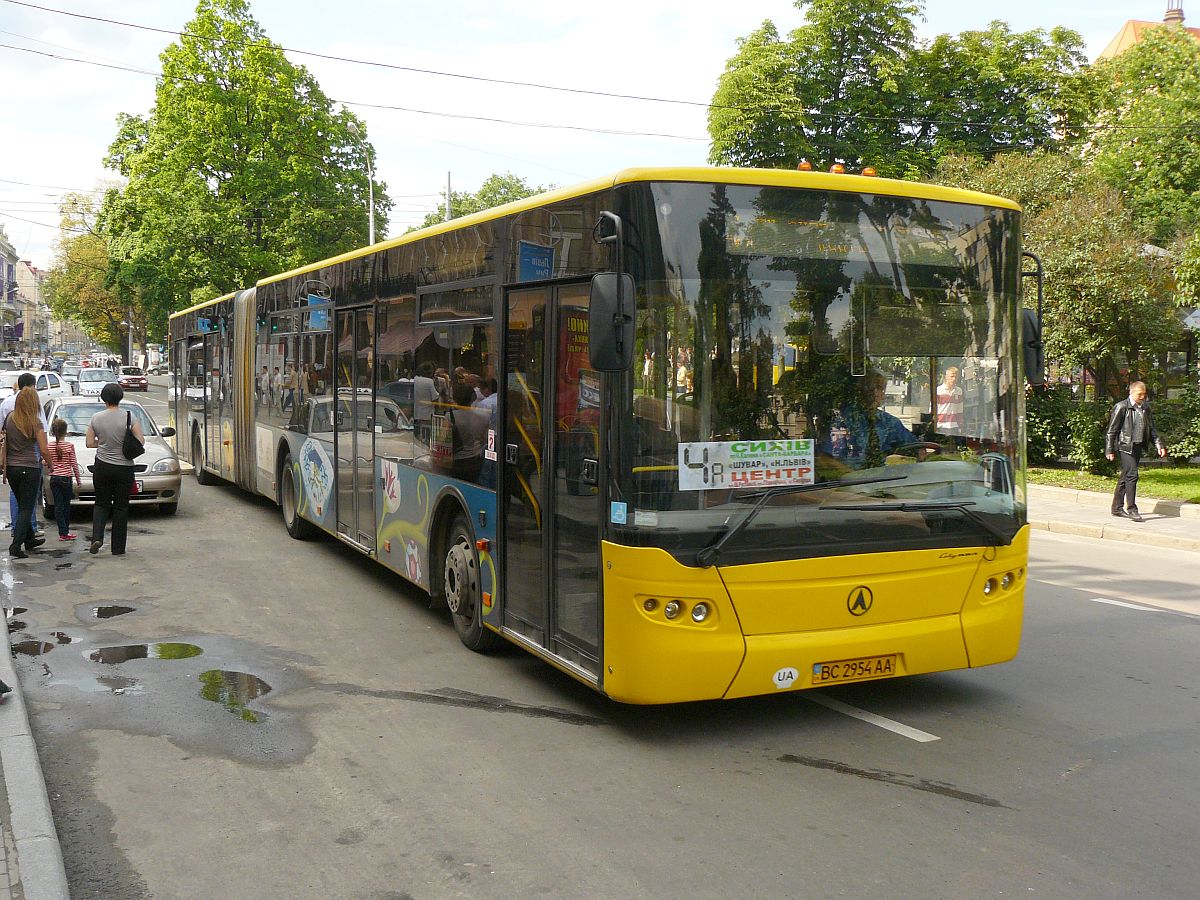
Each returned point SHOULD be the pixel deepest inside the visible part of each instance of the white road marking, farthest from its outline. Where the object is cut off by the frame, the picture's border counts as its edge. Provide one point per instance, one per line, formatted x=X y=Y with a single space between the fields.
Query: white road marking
x=907 y=731
x=1127 y=605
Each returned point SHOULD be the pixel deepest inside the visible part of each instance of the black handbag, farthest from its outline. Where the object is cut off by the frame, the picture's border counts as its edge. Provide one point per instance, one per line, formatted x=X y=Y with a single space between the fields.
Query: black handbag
x=131 y=447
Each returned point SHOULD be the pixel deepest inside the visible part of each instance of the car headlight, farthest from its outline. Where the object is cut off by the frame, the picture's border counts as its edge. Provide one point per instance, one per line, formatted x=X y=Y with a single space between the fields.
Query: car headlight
x=166 y=466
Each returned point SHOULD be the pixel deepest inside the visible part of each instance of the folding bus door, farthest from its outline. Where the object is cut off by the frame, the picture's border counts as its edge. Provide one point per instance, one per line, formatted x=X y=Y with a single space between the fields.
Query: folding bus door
x=550 y=500
x=354 y=411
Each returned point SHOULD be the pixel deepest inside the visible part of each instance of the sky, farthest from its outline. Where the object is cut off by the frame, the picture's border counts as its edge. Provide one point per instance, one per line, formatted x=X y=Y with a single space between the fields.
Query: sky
x=60 y=114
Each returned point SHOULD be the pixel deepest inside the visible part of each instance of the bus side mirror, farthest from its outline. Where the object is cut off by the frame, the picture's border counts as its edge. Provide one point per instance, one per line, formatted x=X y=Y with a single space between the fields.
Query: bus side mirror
x=610 y=324
x=1032 y=348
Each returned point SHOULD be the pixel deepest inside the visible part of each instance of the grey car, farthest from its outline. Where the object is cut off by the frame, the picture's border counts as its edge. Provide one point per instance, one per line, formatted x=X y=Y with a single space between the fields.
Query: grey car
x=156 y=475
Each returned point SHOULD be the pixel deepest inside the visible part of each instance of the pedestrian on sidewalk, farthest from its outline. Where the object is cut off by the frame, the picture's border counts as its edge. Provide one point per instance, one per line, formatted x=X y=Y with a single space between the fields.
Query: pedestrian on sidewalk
x=113 y=471
x=24 y=436
x=24 y=380
x=1131 y=433
x=63 y=465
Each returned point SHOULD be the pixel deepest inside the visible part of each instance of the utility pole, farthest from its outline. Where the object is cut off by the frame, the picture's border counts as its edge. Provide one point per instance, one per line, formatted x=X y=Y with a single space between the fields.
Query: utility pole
x=448 y=195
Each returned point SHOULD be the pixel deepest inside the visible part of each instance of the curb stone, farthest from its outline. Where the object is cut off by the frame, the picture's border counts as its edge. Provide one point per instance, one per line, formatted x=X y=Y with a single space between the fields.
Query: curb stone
x=36 y=858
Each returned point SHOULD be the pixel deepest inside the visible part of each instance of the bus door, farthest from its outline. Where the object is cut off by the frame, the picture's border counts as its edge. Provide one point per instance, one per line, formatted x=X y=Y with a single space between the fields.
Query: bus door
x=354 y=425
x=212 y=388
x=550 y=501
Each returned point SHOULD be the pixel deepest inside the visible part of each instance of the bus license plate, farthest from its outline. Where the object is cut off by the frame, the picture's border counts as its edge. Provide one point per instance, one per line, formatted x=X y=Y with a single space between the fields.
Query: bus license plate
x=861 y=669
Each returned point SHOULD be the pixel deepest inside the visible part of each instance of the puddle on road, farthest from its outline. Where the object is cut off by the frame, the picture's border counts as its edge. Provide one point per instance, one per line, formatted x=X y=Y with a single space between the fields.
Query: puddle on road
x=234 y=690
x=58 y=566
x=109 y=612
x=16 y=625
x=100 y=684
x=162 y=650
x=15 y=611
x=32 y=647
x=62 y=637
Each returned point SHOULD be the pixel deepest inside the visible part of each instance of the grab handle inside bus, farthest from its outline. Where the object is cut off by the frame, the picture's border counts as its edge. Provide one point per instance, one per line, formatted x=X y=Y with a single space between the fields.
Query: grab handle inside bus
x=610 y=319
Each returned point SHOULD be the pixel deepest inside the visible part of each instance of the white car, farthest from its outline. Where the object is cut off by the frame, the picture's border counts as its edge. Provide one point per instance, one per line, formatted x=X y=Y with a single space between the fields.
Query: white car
x=156 y=473
x=49 y=385
x=92 y=381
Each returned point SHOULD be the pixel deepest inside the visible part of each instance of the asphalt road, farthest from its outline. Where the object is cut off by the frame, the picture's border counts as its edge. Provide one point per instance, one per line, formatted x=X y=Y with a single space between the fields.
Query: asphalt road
x=332 y=738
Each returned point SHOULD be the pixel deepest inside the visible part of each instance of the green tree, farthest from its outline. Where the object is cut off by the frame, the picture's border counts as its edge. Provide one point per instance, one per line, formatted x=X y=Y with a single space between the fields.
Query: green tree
x=496 y=190
x=836 y=91
x=1145 y=131
x=77 y=281
x=1108 y=293
x=243 y=168
x=853 y=86
x=995 y=91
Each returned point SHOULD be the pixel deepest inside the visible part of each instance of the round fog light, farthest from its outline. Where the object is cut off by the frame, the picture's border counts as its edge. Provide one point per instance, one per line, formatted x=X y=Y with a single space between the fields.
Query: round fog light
x=1007 y=581
x=671 y=610
x=650 y=604
x=699 y=612
x=989 y=587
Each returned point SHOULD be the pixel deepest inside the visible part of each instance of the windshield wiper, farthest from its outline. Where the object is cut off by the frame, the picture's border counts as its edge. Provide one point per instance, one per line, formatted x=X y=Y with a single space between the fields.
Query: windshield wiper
x=706 y=556
x=963 y=506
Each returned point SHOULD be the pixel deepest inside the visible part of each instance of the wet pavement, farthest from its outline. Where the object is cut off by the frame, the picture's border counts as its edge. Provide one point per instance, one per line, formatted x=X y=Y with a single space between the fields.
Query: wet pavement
x=112 y=653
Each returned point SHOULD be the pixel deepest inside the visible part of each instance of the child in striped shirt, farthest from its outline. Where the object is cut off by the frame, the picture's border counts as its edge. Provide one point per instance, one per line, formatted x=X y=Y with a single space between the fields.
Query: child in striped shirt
x=62 y=466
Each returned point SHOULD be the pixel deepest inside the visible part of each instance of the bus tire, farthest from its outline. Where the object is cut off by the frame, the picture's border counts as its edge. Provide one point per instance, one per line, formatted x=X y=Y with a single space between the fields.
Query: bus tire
x=461 y=587
x=203 y=476
x=289 y=503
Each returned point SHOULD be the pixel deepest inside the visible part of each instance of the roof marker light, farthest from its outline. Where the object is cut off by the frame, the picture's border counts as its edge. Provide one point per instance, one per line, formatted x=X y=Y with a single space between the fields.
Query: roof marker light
x=837 y=169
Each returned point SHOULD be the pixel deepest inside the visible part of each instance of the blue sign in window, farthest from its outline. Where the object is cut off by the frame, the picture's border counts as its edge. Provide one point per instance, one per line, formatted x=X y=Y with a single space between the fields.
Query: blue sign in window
x=318 y=319
x=536 y=263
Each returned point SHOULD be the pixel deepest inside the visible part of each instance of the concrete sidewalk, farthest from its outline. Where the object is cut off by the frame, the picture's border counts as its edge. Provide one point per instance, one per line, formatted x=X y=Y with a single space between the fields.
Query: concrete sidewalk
x=1168 y=523
x=31 y=864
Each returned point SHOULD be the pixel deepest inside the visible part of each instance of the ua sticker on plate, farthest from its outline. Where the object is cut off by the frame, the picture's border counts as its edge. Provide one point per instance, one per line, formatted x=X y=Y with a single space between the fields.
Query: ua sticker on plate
x=785 y=678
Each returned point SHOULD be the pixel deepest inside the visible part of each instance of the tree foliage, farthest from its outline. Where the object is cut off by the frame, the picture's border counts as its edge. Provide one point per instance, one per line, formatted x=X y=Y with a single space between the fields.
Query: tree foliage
x=496 y=190
x=854 y=86
x=1145 y=131
x=242 y=168
x=76 y=284
x=1108 y=294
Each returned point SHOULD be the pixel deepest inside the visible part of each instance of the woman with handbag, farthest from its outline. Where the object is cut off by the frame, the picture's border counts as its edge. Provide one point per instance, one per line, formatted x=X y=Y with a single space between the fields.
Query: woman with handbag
x=116 y=435
x=23 y=437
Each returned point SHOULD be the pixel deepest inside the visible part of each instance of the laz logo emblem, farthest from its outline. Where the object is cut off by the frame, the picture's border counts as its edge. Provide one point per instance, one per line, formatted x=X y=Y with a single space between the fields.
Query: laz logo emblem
x=860 y=600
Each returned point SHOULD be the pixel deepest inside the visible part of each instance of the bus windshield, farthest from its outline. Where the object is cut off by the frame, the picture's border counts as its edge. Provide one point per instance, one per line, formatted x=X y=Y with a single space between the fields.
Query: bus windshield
x=860 y=346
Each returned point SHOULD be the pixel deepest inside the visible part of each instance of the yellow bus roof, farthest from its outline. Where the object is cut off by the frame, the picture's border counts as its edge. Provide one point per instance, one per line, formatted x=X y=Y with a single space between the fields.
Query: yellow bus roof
x=191 y=309
x=701 y=174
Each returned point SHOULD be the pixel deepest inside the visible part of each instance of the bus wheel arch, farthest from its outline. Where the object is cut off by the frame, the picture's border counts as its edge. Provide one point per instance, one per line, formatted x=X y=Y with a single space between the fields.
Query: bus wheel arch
x=456 y=575
x=289 y=498
x=202 y=475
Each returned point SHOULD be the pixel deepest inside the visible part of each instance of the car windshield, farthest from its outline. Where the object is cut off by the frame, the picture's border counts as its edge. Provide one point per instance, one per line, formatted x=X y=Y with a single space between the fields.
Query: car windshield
x=96 y=375
x=131 y=370
x=78 y=415
x=858 y=344
x=70 y=370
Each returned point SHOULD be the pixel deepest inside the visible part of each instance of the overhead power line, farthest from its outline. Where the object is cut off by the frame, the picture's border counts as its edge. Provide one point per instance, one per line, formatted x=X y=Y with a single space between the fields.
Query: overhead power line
x=424 y=112
x=367 y=62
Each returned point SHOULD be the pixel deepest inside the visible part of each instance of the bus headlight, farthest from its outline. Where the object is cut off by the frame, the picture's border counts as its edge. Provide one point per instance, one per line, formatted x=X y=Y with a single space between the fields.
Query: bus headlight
x=989 y=587
x=1007 y=581
x=167 y=466
x=672 y=609
x=699 y=612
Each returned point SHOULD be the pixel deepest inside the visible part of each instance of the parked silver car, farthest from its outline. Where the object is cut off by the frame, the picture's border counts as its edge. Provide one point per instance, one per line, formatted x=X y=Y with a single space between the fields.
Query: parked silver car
x=156 y=472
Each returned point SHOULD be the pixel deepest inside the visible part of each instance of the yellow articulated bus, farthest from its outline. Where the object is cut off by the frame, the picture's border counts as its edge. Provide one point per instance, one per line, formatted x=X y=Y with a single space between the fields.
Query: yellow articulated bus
x=684 y=434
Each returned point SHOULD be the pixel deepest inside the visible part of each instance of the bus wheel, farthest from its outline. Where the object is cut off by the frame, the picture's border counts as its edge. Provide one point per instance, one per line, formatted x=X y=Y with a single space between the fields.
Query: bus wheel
x=202 y=474
x=289 y=501
x=463 y=593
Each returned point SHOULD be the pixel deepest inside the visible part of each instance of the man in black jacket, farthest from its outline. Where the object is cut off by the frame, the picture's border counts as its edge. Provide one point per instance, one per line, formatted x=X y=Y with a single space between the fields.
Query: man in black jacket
x=1130 y=433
